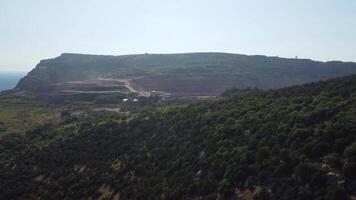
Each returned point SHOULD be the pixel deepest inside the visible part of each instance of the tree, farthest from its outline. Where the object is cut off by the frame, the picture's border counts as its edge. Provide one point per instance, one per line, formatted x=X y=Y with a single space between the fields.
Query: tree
x=304 y=172
x=262 y=195
x=226 y=190
x=262 y=154
x=350 y=152
x=336 y=192
x=350 y=170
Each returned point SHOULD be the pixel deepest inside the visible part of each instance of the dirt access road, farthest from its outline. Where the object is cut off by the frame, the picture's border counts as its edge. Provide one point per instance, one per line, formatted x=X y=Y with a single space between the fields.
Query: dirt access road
x=130 y=87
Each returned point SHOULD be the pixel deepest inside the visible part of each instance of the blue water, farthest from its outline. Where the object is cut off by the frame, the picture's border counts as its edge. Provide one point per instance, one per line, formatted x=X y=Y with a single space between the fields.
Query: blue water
x=8 y=80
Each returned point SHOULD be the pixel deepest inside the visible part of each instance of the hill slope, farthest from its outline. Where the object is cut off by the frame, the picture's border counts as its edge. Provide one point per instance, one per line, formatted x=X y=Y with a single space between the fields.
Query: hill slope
x=192 y=74
x=292 y=143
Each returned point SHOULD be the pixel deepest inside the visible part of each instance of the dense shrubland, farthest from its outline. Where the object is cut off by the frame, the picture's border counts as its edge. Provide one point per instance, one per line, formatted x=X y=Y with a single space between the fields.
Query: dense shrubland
x=292 y=143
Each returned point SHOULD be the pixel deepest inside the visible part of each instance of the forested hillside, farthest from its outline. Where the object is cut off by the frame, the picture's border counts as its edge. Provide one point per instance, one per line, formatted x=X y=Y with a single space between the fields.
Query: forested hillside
x=292 y=143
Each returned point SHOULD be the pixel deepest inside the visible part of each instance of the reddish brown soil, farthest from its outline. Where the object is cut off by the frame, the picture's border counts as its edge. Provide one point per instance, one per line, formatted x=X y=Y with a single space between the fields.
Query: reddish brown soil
x=186 y=86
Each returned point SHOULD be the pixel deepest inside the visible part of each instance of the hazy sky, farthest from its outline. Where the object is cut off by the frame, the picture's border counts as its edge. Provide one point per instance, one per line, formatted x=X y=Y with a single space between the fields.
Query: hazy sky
x=31 y=30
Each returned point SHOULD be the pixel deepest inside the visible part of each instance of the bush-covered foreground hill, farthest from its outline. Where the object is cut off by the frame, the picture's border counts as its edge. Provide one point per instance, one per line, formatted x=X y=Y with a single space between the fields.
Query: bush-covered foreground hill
x=292 y=143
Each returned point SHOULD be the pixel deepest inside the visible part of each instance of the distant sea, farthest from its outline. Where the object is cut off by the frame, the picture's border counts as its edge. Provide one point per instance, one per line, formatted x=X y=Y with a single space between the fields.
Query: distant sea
x=8 y=80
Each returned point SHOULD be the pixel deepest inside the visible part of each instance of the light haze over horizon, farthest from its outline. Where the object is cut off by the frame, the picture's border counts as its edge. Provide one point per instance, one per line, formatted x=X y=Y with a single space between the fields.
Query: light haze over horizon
x=31 y=30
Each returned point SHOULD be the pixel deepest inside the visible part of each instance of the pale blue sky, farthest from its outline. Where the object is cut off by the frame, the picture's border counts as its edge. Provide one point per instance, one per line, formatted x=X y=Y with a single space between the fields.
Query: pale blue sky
x=31 y=30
